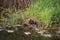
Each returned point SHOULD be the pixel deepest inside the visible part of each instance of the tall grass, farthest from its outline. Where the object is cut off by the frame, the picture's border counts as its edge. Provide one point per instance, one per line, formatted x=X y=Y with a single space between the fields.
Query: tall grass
x=41 y=9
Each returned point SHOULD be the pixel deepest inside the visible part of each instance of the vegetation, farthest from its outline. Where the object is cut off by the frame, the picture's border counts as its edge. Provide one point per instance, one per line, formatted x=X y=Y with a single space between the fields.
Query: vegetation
x=47 y=11
x=44 y=10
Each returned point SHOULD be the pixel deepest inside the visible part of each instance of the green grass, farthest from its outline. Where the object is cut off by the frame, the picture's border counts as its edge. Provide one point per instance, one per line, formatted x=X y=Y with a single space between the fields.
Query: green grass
x=41 y=9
